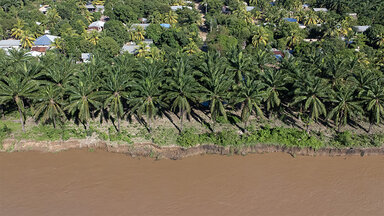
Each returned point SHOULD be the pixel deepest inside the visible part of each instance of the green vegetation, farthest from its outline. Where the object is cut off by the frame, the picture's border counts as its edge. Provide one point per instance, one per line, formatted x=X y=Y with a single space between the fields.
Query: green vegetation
x=218 y=72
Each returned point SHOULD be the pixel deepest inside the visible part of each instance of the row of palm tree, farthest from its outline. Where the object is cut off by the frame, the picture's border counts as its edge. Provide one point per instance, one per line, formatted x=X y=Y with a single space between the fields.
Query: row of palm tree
x=56 y=89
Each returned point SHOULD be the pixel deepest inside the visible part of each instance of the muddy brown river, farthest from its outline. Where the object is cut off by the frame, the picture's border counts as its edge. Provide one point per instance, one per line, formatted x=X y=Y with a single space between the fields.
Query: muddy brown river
x=101 y=183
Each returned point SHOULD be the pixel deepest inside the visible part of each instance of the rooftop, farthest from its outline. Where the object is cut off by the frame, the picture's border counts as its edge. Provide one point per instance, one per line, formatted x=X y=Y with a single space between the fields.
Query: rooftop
x=9 y=43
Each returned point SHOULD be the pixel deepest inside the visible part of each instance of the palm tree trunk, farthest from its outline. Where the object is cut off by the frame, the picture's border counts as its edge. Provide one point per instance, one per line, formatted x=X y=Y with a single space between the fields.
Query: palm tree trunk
x=370 y=127
x=149 y=125
x=21 y=119
x=181 y=119
x=118 y=124
x=87 y=126
x=54 y=122
x=2 y=112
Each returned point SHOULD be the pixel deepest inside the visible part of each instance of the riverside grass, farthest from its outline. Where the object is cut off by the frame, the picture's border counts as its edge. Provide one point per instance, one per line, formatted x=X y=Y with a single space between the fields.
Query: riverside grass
x=290 y=137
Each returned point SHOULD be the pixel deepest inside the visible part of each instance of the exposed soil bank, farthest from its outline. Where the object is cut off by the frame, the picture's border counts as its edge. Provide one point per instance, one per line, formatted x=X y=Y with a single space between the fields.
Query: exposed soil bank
x=80 y=182
x=175 y=152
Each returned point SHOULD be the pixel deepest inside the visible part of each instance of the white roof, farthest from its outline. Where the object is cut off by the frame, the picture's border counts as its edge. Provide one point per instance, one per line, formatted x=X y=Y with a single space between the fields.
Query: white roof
x=97 y=24
x=174 y=8
x=144 y=26
x=361 y=28
x=9 y=43
x=249 y=8
x=320 y=9
x=35 y=53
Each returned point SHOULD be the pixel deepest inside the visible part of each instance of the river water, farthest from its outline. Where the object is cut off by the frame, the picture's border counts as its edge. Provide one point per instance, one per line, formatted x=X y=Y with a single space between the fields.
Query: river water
x=100 y=183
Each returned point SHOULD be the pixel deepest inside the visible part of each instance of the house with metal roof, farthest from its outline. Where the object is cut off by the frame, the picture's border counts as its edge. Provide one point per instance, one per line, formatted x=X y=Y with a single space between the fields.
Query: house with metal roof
x=9 y=44
x=97 y=25
x=133 y=48
x=138 y=25
x=360 y=29
x=249 y=8
x=175 y=8
x=290 y=20
x=320 y=9
x=86 y=57
x=90 y=8
x=45 y=40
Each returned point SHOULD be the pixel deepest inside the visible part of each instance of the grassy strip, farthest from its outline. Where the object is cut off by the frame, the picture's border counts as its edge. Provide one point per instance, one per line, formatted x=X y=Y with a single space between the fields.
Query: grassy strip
x=291 y=137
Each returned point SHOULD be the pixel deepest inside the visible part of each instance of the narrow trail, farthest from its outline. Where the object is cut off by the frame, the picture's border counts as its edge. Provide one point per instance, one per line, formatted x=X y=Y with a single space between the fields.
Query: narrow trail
x=202 y=34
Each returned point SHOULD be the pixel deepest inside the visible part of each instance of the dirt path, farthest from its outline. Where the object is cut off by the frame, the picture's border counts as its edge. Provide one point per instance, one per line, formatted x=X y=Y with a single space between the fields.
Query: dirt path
x=101 y=183
x=202 y=34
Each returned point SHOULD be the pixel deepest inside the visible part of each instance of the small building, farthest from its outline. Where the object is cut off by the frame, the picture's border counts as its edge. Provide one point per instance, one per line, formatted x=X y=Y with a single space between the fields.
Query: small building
x=225 y=10
x=44 y=8
x=290 y=20
x=45 y=40
x=320 y=9
x=90 y=8
x=175 y=8
x=138 y=25
x=302 y=26
x=133 y=48
x=86 y=57
x=249 y=8
x=43 y=43
x=97 y=25
x=9 y=44
x=353 y=15
x=305 y=6
x=360 y=29
x=35 y=53
x=165 y=25
x=100 y=8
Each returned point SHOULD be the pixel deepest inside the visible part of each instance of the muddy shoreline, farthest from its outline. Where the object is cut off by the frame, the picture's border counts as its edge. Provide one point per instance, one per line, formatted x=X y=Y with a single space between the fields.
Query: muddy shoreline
x=177 y=152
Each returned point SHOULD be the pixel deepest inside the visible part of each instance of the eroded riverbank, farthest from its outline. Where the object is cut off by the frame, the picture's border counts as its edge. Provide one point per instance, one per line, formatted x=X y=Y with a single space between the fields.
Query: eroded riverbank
x=80 y=182
x=177 y=152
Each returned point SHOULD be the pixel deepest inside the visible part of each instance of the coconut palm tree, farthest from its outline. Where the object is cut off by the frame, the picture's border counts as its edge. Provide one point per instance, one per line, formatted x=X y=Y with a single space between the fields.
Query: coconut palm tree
x=182 y=89
x=82 y=98
x=312 y=94
x=274 y=81
x=93 y=37
x=171 y=17
x=145 y=97
x=113 y=90
x=250 y=95
x=216 y=83
x=373 y=99
x=18 y=29
x=138 y=34
x=16 y=88
x=346 y=106
x=239 y=64
x=27 y=39
x=260 y=37
x=48 y=105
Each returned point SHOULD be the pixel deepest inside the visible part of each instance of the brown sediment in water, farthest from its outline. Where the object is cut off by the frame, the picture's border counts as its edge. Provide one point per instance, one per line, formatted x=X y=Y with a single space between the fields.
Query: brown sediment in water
x=80 y=182
x=177 y=152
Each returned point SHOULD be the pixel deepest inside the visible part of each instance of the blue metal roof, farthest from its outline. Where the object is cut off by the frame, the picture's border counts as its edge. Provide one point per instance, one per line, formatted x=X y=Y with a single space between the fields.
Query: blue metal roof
x=44 y=40
x=165 y=25
x=290 y=19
